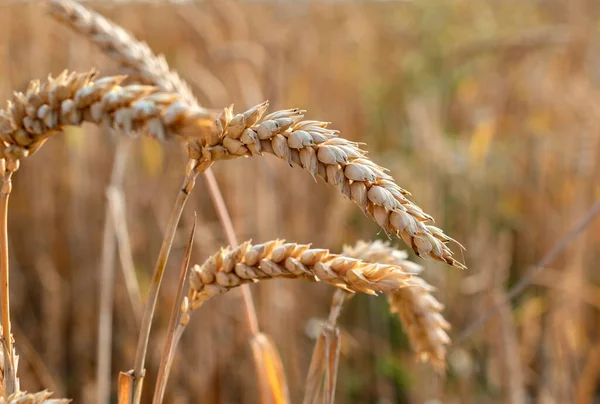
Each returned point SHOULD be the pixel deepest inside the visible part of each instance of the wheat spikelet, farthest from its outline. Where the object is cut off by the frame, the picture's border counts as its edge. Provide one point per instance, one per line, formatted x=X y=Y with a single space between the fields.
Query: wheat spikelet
x=134 y=56
x=418 y=310
x=337 y=161
x=71 y=99
x=41 y=397
x=230 y=268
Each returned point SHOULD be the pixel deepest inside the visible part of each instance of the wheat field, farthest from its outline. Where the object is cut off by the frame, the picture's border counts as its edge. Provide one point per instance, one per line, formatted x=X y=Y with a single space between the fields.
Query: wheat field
x=459 y=139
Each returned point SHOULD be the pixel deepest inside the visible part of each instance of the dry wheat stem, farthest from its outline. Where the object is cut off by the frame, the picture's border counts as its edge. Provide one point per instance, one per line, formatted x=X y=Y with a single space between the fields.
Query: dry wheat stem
x=161 y=261
x=10 y=381
x=419 y=311
x=172 y=332
x=107 y=276
x=230 y=268
x=8 y=368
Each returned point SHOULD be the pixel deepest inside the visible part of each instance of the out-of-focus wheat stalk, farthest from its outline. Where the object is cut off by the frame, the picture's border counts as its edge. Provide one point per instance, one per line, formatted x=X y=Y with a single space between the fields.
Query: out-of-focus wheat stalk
x=114 y=232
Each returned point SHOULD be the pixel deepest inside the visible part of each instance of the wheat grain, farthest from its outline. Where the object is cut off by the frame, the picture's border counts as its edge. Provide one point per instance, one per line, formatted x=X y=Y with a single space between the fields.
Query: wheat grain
x=71 y=99
x=230 y=268
x=419 y=311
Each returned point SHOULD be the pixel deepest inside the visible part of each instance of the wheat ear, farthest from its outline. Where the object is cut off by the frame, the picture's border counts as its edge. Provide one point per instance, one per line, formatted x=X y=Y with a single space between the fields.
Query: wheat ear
x=71 y=99
x=337 y=161
x=419 y=311
x=230 y=268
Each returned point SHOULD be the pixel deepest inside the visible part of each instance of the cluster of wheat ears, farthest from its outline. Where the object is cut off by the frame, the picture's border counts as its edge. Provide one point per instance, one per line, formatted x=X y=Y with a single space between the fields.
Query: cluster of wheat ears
x=156 y=102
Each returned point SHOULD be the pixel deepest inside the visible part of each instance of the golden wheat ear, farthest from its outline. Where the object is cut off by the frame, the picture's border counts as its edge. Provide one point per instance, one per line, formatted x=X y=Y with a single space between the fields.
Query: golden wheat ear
x=419 y=311
x=357 y=270
x=73 y=98
x=341 y=163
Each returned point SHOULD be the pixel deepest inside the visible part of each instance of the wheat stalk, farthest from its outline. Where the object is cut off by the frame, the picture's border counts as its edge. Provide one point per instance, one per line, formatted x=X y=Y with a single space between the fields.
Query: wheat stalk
x=419 y=311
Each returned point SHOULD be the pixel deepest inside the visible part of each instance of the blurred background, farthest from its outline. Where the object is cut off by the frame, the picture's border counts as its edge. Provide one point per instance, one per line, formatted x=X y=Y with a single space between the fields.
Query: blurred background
x=487 y=111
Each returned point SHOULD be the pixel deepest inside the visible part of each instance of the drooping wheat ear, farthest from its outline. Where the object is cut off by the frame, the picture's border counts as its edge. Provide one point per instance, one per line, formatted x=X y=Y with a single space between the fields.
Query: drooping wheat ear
x=248 y=263
x=337 y=161
x=41 y=397
x=308 y=144
x=419 y=311
x=71 y=99
x=135 y=57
